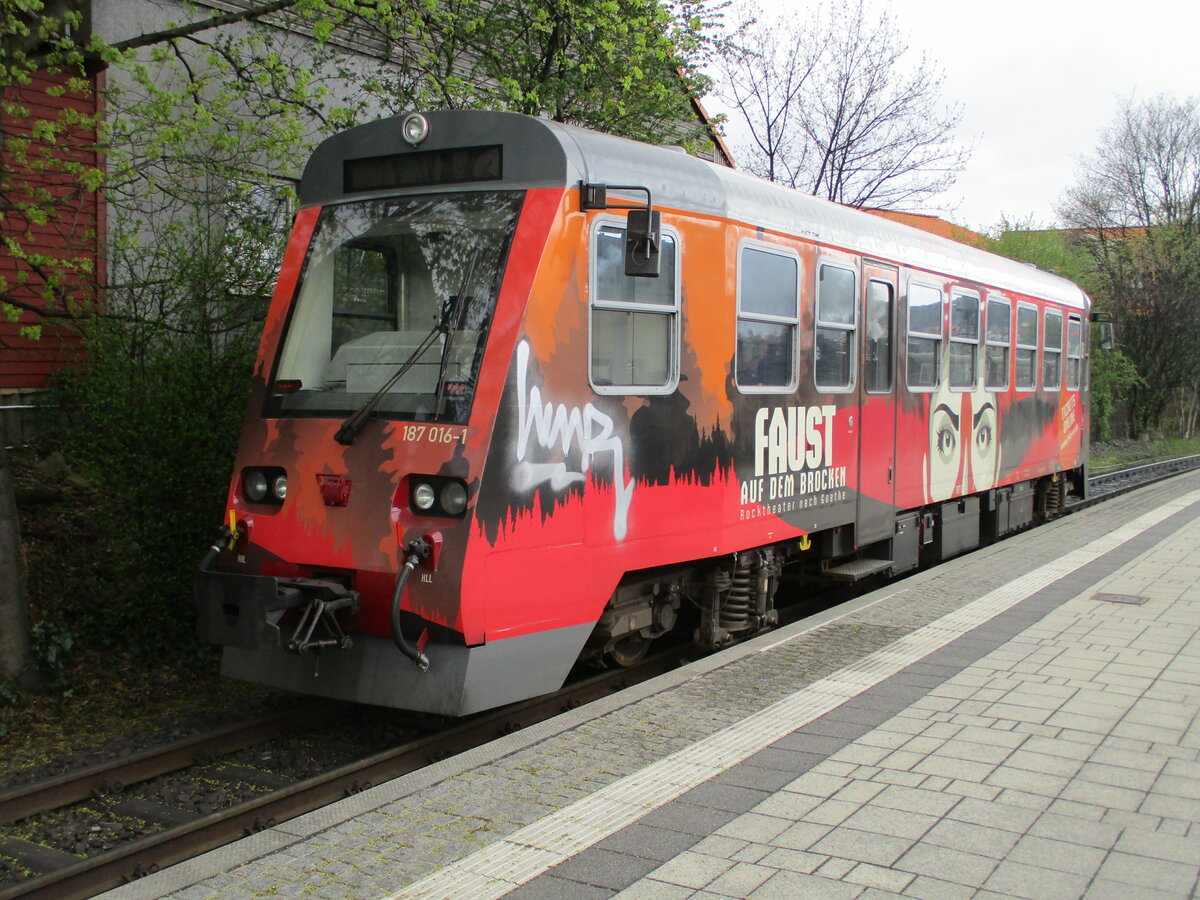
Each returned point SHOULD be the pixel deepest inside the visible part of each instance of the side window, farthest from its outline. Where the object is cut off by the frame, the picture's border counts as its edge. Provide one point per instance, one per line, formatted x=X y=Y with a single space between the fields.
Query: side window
x=1052 y=354
x=1027 y=344
x=877 y=366
x=999 y=344
x=835 y=325
x=634 y=321
x=924 y=336
x=1074 y=352
x=768 y=319
x=964 y=341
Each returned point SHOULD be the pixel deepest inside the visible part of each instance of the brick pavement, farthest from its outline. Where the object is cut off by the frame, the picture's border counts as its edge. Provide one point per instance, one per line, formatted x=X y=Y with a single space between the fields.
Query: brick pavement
x=1044 y=746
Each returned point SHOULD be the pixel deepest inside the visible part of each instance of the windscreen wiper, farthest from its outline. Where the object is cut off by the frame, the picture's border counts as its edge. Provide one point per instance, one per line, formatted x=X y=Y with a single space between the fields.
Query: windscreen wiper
x=348 y=433
x=452 y=316
x=457 y=316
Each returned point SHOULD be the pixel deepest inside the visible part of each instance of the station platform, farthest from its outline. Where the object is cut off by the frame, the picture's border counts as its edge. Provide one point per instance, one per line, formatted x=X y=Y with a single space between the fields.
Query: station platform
x=1022 y=722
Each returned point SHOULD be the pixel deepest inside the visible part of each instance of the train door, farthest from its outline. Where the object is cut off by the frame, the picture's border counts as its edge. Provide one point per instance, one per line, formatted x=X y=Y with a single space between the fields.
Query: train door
x=877 y=406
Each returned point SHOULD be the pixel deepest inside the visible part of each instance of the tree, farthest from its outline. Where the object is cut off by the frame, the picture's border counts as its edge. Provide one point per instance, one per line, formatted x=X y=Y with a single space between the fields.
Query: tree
x=764 y=71
x=1135 y=210
x=1112 y=375
x=207 y=122
x=16 y=661
x=627 y=67
x=835 y=110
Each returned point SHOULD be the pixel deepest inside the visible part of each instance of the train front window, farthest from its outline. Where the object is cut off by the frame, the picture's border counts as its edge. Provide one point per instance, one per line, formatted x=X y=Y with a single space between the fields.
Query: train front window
x=402 y=283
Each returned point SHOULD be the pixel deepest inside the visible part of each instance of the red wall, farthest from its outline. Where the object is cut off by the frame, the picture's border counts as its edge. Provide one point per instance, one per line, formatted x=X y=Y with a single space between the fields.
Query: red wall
x=74 y=229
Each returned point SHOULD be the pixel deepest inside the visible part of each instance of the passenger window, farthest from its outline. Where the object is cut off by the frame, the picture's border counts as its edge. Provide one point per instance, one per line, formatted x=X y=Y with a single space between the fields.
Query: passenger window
x=999 y=345
x=1027 y=343
x=634 y=321
x=964 y=341
x=924 y=336
x=1052 y=355
x=835 y=327
x=1074 y=352
x=877 y=366
x=768 y=319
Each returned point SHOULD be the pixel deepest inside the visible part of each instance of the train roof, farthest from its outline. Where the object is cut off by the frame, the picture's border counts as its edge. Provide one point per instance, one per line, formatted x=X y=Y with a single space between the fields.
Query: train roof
x=551 y=154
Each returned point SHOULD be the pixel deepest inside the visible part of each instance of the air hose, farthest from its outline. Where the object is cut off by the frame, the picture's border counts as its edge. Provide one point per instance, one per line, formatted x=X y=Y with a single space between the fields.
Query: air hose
x=223 y=538
x=415 y=552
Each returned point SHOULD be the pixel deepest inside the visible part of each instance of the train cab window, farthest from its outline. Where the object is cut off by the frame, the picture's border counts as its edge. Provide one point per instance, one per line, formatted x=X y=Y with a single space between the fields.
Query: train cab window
x=924 y=336
x=998 y=344
x=634 y=321
x=768 y=319
x=877 y=365
x=836 y=327
x=393 y=307
x=1052 y=353
x=1027 y=347
x=1074 y=352
x=964 y=341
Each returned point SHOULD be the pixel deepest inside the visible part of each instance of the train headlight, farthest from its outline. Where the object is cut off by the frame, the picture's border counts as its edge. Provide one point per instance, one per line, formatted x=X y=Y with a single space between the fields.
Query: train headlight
x=434 y=495
x=265 y=484
x=424 y=496
x=255 y=484
x=415 y=128
x=454 y=498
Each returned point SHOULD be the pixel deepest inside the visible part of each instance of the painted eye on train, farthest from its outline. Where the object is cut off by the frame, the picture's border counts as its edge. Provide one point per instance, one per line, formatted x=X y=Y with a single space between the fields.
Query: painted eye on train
x=983 y=438
x=947 y=441
x=985 y=450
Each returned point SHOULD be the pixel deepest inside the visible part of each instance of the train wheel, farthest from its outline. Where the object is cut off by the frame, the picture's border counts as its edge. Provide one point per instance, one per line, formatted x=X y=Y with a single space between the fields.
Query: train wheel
x=628 y=651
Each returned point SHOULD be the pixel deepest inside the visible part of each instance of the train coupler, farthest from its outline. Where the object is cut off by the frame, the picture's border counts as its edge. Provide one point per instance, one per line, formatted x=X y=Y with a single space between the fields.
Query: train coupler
x=322 y=612
x=246 y=611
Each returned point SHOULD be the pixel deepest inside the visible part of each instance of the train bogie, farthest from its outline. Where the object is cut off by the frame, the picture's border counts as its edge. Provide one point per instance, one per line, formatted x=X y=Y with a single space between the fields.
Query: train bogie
x=538 y=395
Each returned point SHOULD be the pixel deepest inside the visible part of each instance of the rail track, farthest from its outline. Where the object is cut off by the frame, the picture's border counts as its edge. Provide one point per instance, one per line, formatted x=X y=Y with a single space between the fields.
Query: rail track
x=1107 y=485
x=66 y=876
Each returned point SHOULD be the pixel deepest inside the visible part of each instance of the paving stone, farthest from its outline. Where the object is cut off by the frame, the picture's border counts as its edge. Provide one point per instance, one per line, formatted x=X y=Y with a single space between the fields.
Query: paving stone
x=794 y=860
x=649 y=889
x=925 y=888
x=648 y=842
x=946 y=864
x=980 y=839
x=1020 y=880
x=792 y=885
x=1076 y=830
x=1062 y=856
x=864 y=846
x=694 y=870
x=894 y=822
x=741 y=880
x=1138 y=870
x=880 y=878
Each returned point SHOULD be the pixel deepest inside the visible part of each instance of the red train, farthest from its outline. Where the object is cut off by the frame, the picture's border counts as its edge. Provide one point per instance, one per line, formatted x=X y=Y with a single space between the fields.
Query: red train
x=528 y=394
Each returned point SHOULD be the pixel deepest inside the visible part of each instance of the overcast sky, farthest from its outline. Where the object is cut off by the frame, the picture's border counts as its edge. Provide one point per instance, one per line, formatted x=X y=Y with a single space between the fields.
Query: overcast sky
x=1038 y=80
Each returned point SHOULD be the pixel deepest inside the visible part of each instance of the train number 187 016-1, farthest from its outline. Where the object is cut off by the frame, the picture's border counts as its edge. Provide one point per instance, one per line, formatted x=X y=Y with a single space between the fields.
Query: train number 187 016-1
x=434 y=434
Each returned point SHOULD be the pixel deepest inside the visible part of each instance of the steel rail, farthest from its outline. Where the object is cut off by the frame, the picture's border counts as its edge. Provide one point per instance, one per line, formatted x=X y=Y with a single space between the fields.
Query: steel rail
x=1114 y=483
x=149 y=854
x=113 y=775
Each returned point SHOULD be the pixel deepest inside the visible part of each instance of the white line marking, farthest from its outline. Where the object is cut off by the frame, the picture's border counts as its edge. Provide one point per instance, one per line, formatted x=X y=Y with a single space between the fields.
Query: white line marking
x=541 y=845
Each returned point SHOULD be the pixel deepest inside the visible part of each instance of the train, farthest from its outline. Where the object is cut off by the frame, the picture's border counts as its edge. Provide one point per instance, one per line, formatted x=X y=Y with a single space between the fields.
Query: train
x=529 y=396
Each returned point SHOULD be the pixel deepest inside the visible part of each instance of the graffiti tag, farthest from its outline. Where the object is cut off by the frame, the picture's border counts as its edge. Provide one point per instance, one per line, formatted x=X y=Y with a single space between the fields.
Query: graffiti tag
x=588 y=430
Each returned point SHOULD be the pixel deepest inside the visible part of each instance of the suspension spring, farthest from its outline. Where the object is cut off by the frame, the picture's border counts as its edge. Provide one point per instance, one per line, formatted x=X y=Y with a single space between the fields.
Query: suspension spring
x=735 y=611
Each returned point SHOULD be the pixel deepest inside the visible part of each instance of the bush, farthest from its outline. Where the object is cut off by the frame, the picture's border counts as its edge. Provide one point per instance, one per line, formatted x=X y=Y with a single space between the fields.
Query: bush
x=156 y=432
